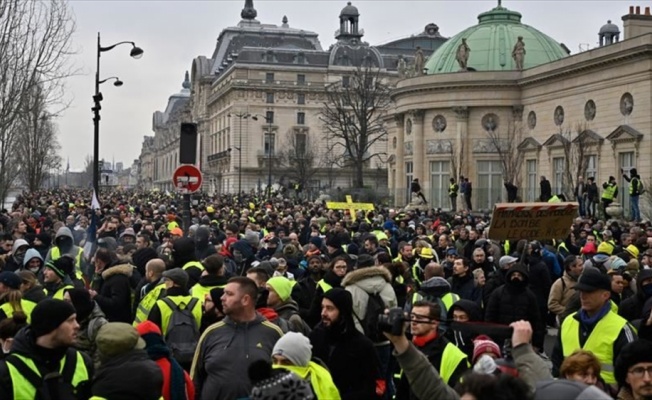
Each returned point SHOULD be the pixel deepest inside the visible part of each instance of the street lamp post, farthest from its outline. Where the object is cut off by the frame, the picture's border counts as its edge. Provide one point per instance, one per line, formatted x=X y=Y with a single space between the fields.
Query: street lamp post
x=269 y=120
x=136 y=52
x=240 y=116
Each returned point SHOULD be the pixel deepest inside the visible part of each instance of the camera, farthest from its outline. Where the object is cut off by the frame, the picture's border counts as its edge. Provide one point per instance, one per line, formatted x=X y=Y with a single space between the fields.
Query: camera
x=392 y=322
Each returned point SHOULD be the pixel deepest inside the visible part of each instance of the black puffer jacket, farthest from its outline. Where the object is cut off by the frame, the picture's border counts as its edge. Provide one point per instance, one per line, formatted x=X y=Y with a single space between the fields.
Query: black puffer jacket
x=632 y=307
x=129 y=376
x=114 y=292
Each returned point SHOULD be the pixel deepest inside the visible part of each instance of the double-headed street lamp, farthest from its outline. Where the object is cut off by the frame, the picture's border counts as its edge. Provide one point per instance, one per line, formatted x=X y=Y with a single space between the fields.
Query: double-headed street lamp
x=136 y=52
x=269 y=120
x=240 y=116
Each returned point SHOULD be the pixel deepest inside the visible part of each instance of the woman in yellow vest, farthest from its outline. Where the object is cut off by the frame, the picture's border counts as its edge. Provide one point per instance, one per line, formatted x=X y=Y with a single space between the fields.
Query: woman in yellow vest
x=11 y=298
x=293 y=352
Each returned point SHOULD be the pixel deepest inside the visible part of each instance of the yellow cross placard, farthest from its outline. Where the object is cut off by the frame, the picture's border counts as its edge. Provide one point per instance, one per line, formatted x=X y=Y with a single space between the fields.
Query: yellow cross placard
x=350 y=205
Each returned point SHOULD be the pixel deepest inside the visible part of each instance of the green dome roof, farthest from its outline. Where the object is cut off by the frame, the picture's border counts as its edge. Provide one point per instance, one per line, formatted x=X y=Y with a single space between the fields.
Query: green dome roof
x=491 y=43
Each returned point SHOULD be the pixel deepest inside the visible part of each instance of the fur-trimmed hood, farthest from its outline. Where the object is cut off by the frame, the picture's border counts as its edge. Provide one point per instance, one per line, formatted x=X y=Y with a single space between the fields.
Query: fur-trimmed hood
x=124 y=269
x=370 y=279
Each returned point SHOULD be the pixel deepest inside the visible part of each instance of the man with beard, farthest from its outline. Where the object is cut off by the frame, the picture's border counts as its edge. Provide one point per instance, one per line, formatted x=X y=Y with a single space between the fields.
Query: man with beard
x=347 y=353
x=514 y=302
x=634 y=371
x=307 y=286
x=14 y=262
x=43 y=349
x=64 y=245
x=332 y=279
x=227 y=349
x=203 y=247
x=462 y=281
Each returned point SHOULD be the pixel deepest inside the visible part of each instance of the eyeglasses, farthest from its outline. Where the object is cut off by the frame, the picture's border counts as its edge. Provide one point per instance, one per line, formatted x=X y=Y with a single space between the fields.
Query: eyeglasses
x=639 y=372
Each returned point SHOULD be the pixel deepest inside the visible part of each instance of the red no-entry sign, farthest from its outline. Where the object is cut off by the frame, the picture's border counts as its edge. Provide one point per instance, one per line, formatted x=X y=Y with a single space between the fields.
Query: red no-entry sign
x=187 y=179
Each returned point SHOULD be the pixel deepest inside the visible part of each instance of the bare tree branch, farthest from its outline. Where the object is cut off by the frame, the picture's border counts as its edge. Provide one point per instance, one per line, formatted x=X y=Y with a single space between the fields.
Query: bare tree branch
x=300 y=157
x=505 y=142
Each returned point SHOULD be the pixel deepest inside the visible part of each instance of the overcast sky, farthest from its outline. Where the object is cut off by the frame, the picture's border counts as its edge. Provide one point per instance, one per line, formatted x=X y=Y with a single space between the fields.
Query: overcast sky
x=173 y=33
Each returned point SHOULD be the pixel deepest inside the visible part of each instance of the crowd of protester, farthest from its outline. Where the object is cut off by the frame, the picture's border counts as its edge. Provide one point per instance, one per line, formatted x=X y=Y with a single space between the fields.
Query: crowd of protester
x=287 y=299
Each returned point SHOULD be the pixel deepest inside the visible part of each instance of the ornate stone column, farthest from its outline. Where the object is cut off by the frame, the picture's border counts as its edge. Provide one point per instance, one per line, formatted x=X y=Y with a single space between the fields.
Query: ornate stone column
x=399 y=183
x=415 y=124
x=462 y=142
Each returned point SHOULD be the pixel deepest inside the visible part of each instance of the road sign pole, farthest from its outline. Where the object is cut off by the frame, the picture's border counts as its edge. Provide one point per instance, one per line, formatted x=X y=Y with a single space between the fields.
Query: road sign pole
x=186 y=214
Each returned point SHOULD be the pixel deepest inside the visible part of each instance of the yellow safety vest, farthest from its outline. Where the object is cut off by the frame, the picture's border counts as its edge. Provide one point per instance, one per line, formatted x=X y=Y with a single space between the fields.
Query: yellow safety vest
x=26 y=305
x=320 y=379
x=450 y=360
x=198 y=291
x=452 y=189
x=554 y=199
x=193 y=264
x=23 y=389
x=325 y=287
x=448 y=299
x=600 y=342
x=614 y=306
x=631 y=187
x=181 y=302
x=55 y=254
x=609 y=192
x=146 y=304
x=58 y=295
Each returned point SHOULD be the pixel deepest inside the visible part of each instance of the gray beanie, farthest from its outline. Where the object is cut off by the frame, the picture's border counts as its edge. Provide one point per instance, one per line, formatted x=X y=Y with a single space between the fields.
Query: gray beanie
x=252 y=238
x=563 y=389
x=295 y=347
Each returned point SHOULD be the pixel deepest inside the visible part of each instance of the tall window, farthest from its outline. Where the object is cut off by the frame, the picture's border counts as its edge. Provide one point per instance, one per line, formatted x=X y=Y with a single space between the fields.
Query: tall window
x=301 y=118
x=301 y=98
x=301 y=79
x=269 y=77
x=558 y=170
x=300 y=143
x=626 y=162
x=346 y=81
x=489 y=187
x=409 y=175
x=269 y=144
x=439 y=179
x=532 y=182
x=592 y=167
x=270 y=97
x=269 y=117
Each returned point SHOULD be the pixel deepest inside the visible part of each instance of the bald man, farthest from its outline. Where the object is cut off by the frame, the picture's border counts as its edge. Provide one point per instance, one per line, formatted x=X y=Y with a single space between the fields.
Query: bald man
x=153 y=290
x=433 y=269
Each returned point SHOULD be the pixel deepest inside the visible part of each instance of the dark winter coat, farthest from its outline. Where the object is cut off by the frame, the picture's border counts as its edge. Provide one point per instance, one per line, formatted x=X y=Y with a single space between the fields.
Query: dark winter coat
x=314 y=316
x=35 y=294
x=464 y=287
x=546 y=190
x=114 y=293
x=183 y=252
x=632 y=307
x=289 y=311
x=132 y=375
x=463 y=339
x=540 y=281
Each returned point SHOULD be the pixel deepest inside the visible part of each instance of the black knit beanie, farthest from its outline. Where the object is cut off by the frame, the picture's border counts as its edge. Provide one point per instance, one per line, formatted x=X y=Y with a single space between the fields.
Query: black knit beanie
x=216 y=295
x=141 y=257
x=82 y=302
x=342 y=300
x=49 y=314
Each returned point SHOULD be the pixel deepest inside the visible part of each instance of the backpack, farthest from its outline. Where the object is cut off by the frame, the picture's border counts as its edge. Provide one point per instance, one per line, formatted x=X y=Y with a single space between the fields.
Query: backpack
x=375 y=307
x=182 y=334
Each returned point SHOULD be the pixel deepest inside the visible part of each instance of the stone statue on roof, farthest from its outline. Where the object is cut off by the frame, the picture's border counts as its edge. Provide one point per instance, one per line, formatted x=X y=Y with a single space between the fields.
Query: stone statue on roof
x=463 y=53
x=518 y=53
x=419 y=62
x=402 y=67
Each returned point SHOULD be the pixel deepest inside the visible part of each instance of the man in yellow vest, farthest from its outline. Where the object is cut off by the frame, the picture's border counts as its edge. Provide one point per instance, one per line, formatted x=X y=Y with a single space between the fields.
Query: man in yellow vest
x=151 y=292
x=453 y=189
x=176 y=283
x=64 y=245
x=213 y=277
x=609 y=194
x=43 y=361
x=594 y=328
x=450 y=361
x=56 y=280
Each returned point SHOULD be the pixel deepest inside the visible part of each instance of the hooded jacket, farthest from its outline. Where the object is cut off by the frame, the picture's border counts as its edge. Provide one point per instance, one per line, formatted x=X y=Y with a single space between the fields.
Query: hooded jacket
x=364 y=282
x=224 y=353
x=203 y=248
x=183 y=253
x=48 y=360
x=289 y=311
x=114 y=294
x=463 y=339
x=632 y=307
x=129 y=376
x=32 y=253
x=72 y=251
x=314 y=315
x=11 y=262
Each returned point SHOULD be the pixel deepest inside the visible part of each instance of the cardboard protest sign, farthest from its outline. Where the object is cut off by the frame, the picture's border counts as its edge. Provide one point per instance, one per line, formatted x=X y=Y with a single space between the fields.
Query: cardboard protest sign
x=350 y=205
x=532 y=221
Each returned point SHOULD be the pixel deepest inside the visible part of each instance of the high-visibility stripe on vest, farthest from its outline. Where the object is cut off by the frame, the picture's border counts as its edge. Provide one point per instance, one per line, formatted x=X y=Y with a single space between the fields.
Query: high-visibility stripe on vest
x=58 y=295
x=55 y=254
x=23 y=389
x=450 y=360
x=554 y=199
x=325 y=287
x=26 y=305
x=198 y=291
x=600 y=342
x=609 y=192
x=147 y=302
x=320 y=379
x=614 y=306
x=190 y=264
x=631 y=187
x=181 y=302
x=452 y=189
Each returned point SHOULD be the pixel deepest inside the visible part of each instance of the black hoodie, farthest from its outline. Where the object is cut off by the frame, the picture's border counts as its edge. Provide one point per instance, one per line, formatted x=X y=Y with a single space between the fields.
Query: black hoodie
x=183 y=252
x=203 y=247
x=632 y=307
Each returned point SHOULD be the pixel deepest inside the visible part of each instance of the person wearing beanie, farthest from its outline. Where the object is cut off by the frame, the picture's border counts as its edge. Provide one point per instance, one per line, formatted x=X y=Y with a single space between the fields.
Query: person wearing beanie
x=48 y=345
x=483 y=345
x=279 y=299
x=227 y=349
x=185 y=258
x=333 y=276
x=314 y=247
x=177 y=384
x=55 y=281
x=203 y=247
x=348 y=354
x=514 y=301
x=90 y=318
x=126 y=372
x=595 y=327
x=633 y=370
x=12 y=298
x=214 y=276
x=213 y=309
x=140 y=259
x=269 y=383
x=293 y=352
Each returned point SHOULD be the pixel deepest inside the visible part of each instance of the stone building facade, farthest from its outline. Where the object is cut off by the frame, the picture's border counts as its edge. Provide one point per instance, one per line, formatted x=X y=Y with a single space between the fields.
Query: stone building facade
x=550 y=111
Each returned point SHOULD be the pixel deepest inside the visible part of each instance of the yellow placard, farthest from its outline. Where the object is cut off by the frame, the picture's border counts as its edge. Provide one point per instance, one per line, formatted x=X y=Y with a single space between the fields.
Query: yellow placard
x=350 y=205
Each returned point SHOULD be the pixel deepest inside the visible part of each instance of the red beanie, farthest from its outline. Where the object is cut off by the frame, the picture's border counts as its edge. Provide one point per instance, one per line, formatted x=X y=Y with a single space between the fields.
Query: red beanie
x=148 y=327
x=483 y=344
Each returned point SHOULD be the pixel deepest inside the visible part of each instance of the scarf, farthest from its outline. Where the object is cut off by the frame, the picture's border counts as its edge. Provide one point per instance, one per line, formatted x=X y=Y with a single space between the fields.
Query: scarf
x=591 y=321
x=156 y=349
x=421 y=341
